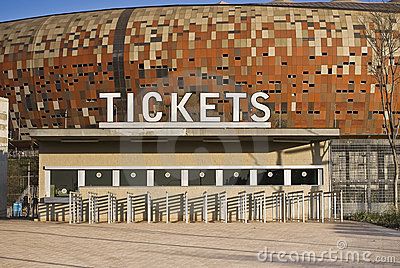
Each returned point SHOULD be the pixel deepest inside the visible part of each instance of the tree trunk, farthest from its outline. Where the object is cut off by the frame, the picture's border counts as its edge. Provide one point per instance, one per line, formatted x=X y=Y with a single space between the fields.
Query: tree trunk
x=396 y=179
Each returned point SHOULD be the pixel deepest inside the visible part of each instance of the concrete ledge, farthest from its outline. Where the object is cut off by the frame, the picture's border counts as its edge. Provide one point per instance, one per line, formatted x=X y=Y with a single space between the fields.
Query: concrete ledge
x=73 y=134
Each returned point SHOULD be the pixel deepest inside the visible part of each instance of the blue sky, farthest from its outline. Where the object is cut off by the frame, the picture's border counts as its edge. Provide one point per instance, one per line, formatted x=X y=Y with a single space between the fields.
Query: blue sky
x=17 y=9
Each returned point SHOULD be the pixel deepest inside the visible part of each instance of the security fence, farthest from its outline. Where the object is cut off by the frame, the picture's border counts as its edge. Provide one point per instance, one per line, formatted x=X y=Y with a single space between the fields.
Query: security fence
x=363 y=170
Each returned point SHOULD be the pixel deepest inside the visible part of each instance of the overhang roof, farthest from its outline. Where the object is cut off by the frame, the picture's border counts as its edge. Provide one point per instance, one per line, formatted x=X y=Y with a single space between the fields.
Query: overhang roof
x=89 y=135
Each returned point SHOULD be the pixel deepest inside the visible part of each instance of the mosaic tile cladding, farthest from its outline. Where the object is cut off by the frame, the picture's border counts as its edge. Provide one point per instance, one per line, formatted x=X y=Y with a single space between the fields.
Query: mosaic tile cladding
x=311 y=61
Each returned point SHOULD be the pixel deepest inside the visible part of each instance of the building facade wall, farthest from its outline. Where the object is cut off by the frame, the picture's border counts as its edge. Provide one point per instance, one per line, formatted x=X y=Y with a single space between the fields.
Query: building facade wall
x=311 y=61
x=3 y=155
x=311 y=155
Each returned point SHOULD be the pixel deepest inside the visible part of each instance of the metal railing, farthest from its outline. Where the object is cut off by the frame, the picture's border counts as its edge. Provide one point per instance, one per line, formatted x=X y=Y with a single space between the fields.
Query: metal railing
x=93 y=208
x=259 y=207
x=243 y=207
x=223 y=206
x=280 y=206
x=111 y=208
x=75 y=208
x=295 y=204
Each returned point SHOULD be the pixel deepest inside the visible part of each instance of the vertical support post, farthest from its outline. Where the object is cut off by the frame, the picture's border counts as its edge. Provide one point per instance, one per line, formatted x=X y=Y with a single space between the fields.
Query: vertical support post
x=318 y=205
x=264 y=209
x=226 y=207
x=341 y=206
x=166 y=207
x=298 y=208
x=334 y=206
x=284 y=207
x=205 y=207
x=128 y=208
x=302 y=207
x=309 y=205
x=70 y=208
x=186 y=208
x=322 y=207
x=245 y=207
x=149 y=208
x=329 y=206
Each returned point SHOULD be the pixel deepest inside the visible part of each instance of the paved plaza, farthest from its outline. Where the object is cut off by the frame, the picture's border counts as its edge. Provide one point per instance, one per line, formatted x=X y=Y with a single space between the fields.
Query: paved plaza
x=40 y=244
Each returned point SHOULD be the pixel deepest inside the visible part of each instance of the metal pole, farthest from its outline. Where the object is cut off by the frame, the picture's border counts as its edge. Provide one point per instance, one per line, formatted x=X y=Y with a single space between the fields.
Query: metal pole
x=298 y=208
x=264 y=209
x=226 y=207
x=29 y=187
x=322 y=207
x=186 y=208
x=70 y=208
x=205 y=207
x=334 y=206
x=284 y=207
x=149 y=208
x=166 y=207
x=128 y=208
x=329 y=206
x=341 y=206
x=318 y=206
x=302 y=207
x=245 y=207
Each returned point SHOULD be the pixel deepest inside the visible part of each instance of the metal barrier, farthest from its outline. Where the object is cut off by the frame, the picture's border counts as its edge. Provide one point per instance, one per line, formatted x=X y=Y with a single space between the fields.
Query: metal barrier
x=279 y=206
x=295 y=204
x=75 y=208
x=242 y=207
x=130 y=209
x=315 y=205
x=205 y=207
x=259 y=207
x=149 y=207
x=334 y=205
x=112 y=208
x=223 y=206
x=166 y=207
x=186 y=207
x=93 y=209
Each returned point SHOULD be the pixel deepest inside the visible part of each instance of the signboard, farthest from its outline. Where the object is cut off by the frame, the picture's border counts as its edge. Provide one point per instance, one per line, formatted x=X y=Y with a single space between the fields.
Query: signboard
x=155 y=119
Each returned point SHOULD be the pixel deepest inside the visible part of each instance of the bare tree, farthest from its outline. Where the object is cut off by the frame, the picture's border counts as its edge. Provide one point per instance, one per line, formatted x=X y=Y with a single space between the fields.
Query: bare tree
x=382 y=34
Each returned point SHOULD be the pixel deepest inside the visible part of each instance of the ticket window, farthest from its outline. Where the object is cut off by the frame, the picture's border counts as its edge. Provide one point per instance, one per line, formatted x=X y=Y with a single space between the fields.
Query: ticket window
x=62 y=182
x=98 y=178
x=304 y=176
x=270 y=177
x=167 y=177
x=236 y=177
x=133 y=177
x=200 y=177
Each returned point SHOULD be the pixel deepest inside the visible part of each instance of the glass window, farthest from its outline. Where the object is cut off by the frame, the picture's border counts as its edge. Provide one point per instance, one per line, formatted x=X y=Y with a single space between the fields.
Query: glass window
x=305 y=176
x=237 y=177
x=270 y=177
x=202 y=177
x=98 y=178
x=62 y=182
x=163 y=177
x=133 y=177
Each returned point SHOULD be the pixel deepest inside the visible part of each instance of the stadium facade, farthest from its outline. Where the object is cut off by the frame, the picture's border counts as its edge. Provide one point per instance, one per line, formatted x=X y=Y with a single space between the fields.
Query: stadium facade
x=315 y=123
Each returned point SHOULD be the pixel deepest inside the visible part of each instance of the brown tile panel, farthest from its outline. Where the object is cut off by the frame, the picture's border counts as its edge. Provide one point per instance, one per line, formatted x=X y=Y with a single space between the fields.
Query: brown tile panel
x=310 y=61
